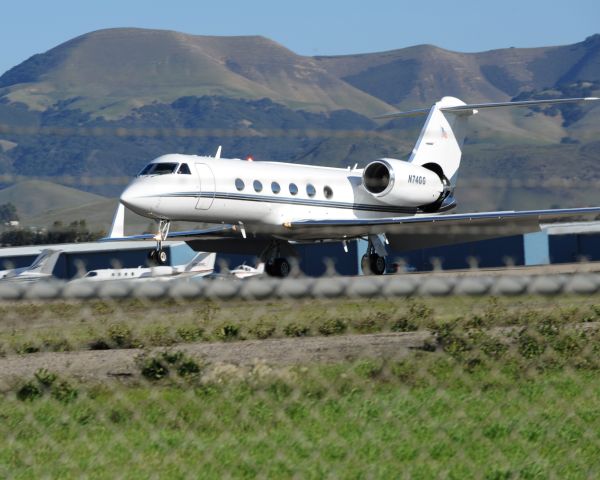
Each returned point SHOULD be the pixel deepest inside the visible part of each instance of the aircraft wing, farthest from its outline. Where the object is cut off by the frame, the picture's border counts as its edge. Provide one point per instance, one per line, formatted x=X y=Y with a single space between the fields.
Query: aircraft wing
x=423 y=231
x=212 y=233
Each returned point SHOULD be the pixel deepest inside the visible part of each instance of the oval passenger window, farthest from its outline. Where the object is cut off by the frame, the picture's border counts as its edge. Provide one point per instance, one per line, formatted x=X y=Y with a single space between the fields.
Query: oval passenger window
x=257 y=186
x=239 y=184
x=328 y=192
x=310 y=190
x=275 y=187
x=293 y=189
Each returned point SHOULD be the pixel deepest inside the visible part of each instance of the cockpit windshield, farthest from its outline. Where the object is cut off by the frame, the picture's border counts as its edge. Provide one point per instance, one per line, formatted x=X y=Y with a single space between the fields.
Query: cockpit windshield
x=158 y=169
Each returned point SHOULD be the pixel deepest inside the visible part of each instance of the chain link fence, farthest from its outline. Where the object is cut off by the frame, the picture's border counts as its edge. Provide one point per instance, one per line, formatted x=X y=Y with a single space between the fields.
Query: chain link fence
x=443 y=375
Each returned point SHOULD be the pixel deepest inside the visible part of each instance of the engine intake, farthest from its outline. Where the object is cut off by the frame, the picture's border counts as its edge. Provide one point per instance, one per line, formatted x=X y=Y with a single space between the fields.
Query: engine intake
x=399 y=183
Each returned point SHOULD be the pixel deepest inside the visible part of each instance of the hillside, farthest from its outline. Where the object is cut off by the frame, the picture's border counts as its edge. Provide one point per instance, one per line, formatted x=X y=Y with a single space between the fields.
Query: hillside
x=36 y=197
x=102 y=105
x=112 y=71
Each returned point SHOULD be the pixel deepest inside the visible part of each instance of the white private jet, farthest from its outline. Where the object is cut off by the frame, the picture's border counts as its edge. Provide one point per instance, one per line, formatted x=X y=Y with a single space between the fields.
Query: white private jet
x=42 y=267
x=202 y=264
x=267 y=207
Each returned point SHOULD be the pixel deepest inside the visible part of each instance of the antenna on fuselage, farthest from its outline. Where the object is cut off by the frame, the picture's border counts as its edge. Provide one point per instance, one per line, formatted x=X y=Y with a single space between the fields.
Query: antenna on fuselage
x=218 y=154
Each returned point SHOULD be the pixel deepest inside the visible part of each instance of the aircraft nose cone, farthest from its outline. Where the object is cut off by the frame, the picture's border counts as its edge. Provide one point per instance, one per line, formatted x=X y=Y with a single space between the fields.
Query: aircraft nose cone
x=133 y=199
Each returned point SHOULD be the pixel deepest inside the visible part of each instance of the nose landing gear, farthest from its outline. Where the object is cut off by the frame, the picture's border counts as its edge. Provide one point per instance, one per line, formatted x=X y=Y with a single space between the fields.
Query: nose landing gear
x=158 y=255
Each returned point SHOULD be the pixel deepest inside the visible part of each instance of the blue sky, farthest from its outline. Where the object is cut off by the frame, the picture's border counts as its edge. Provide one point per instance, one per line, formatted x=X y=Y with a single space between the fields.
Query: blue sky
x=308 y=27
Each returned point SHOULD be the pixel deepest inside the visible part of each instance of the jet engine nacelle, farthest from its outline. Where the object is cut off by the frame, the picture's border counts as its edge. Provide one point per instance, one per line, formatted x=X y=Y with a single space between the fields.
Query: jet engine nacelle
x=396 y=182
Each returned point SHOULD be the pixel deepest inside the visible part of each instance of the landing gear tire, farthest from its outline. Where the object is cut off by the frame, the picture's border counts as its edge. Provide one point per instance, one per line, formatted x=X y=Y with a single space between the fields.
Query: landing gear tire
x=373 y=264
x=158 y=257
x=278 y=267
x=162 y=257
x=377 y=264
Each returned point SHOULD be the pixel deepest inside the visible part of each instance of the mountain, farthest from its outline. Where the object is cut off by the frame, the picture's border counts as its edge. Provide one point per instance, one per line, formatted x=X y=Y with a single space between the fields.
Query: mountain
x=100 y=106
x=109 y=72
x=37 y=197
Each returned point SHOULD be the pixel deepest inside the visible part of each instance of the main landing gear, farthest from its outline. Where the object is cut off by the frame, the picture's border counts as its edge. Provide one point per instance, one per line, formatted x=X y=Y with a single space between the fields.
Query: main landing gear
x=373 y=262
x=275 y=264
x=158 y=255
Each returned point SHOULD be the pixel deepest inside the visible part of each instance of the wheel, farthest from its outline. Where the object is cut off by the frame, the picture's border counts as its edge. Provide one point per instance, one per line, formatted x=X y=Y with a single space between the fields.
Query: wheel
x=162 y=257
x=152 y=257
x=278 y=267
x=365 y=264
x=377 y=264
x=281 y=267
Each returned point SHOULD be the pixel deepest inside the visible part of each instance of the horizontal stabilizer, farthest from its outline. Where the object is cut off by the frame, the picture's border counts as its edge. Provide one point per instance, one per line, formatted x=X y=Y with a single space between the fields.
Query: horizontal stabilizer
x=470 y=109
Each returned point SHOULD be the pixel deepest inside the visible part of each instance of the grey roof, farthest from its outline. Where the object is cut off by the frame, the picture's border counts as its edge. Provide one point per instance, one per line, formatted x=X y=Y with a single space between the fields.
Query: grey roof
x=83 y=247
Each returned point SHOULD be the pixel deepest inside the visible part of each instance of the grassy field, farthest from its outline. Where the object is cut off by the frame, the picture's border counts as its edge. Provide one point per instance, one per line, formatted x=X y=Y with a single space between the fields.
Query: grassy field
x=64 y=326
x=350 y=420
x=508 y=390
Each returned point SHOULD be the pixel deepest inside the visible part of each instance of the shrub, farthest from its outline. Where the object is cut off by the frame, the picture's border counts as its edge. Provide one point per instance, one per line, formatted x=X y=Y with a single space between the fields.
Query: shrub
x=493 y=347
x=64 y=392
x=365 y=325
x=188 y=367
x=29 y=391
x=332 y=326
x=529 y=346
x=404 y=324
x=263 y=330
x=172 y=358
x=120 y=335
x=158 y=367
x=45 y=377
x=160 y=336
x=190 y=333
x=27 y=347
x=228 y=331
x=420 y=312
x=153 y=369
x=296 y=330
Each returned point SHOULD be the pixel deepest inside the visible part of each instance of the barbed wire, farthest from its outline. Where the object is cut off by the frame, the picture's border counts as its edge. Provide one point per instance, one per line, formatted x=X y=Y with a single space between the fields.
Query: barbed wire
x=465 y=182
x=308 y=287
x=189 y=132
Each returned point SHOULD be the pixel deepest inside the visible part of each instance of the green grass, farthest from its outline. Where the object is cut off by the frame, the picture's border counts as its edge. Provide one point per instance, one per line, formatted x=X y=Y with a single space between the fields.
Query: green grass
x=484 y=404
x=63 y=326
x=347 y=421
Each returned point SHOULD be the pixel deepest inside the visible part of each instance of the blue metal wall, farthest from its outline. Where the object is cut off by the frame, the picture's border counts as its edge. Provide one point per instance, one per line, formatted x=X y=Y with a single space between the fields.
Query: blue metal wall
x=497 y=252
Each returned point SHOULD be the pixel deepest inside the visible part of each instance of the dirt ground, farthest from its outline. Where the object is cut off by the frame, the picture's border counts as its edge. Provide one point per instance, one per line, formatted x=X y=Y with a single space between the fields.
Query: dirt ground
x=101 y=365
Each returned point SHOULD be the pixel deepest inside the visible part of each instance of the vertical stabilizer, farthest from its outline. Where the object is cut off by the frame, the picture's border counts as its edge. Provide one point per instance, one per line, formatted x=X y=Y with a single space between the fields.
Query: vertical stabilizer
x=117 y=230
x=441 y=139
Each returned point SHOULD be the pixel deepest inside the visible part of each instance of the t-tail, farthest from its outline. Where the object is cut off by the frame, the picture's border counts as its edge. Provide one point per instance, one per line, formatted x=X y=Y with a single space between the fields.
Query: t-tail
x=439 y=147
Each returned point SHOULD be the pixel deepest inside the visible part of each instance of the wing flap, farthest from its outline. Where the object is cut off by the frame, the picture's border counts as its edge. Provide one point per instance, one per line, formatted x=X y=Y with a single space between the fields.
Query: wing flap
x=433 y=230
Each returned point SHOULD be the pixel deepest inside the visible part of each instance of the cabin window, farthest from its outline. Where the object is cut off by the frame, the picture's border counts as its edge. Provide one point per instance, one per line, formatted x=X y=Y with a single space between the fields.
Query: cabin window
x=239 y=184
x=257 y=186
x=310 y=190
x=327 y=191
x=184 y=169
x=293 y=189
x=275 y=187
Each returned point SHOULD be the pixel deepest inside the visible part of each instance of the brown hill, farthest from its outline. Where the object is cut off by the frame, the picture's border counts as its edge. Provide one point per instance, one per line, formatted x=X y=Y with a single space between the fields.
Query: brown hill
x=111 y=71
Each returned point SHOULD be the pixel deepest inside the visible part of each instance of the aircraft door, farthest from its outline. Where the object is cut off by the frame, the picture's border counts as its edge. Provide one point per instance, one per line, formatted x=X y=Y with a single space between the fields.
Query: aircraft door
x=207 y=186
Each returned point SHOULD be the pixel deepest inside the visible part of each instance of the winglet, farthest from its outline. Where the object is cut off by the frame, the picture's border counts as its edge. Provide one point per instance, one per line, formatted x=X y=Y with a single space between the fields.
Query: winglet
x=117 y=230
x=218 y=154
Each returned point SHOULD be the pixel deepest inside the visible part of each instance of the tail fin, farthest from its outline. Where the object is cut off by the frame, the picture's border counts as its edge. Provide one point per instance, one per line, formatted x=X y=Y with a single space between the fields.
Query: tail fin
x=441 y=139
